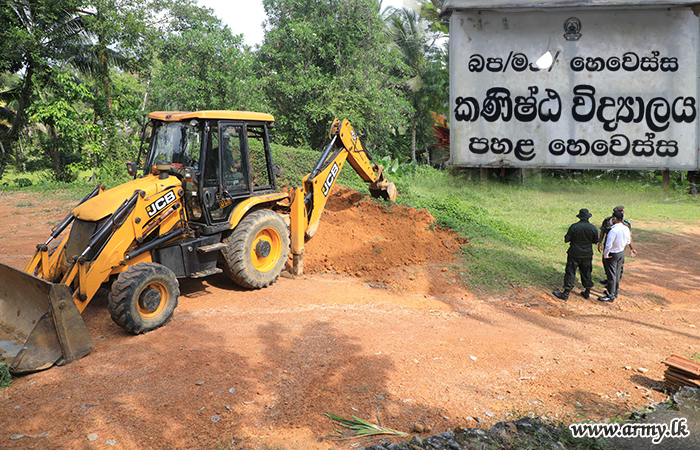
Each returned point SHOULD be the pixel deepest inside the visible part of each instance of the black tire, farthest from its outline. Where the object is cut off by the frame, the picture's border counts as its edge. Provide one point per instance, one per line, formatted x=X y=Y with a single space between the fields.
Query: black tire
x=256 y=250
x=144 y=297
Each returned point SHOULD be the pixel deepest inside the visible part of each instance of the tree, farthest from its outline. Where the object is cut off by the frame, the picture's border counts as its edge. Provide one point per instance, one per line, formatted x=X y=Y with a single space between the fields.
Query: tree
x=201 y=64
x=431 y=12
x=62 y=107
x=33 y=38
x=323 y=59
x=411 y=34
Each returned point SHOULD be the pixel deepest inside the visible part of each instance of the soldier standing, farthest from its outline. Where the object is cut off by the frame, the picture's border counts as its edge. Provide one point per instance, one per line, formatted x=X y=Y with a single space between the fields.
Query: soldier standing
x=581 y=236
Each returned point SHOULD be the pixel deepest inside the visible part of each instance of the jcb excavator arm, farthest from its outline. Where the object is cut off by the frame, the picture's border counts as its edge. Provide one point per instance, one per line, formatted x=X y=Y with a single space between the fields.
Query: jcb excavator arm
x=309 y=200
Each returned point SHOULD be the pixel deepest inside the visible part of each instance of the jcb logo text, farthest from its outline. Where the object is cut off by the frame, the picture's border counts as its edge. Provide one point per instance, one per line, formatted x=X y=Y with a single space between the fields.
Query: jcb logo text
x=330 y=179
x=161 y=203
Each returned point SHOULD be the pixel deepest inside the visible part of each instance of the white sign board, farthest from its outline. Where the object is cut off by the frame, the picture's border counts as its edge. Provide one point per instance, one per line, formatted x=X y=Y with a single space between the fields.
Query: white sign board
x=621 y=91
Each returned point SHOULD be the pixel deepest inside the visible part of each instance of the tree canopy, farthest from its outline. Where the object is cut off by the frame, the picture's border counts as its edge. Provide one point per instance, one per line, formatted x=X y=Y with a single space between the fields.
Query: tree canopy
x=78 y=76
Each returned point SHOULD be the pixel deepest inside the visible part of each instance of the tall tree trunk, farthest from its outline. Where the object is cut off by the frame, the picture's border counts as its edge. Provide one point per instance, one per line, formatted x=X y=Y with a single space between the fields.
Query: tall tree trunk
x=53 y=150
x=413 y=140
x=17 y=124
x=24 y=159
x=3 y=162
x=104 y=67
x=27 y=85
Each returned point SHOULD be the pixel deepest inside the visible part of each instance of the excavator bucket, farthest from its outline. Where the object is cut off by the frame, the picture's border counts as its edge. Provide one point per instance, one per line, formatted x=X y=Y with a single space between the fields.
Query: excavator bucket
x=383 y=189
x=42 y=318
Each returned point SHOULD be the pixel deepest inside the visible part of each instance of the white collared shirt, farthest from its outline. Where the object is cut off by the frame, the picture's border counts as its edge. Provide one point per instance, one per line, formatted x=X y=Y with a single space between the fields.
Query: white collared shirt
x=618 y=238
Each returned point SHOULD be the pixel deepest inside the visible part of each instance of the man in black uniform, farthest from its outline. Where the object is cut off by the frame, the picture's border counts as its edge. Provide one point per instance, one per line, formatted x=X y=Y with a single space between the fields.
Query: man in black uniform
x=581 y=235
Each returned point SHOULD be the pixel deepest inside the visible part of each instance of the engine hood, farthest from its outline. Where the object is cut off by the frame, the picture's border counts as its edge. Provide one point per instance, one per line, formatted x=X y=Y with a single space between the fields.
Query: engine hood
x=104 y=204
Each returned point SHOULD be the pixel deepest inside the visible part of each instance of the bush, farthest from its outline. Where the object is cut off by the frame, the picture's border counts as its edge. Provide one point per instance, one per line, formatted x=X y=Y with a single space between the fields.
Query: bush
x=5 y=377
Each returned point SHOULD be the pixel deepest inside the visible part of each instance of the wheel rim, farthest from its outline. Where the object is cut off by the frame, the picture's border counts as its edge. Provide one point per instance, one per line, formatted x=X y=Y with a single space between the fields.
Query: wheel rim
x=266 y=249
x=152 y=300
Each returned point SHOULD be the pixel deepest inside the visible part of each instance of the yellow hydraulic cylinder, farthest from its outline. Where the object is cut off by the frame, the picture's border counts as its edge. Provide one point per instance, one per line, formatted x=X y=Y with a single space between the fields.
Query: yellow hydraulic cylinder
x=297 y=230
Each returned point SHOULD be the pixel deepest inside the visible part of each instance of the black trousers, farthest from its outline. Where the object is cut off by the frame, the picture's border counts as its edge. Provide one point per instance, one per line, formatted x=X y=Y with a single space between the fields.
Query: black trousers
x=613 y=270
x=584 y=265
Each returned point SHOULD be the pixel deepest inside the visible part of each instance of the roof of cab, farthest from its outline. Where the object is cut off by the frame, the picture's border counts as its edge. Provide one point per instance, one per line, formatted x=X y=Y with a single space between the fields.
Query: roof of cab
x=177 y=116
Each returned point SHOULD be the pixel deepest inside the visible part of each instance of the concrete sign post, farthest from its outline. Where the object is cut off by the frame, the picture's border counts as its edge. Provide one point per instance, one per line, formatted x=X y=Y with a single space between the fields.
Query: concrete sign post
x=590 y=88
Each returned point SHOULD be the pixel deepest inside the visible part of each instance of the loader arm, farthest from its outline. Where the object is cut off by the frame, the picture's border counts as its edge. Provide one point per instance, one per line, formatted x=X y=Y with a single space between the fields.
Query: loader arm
x=309 y=200
x=41 y=306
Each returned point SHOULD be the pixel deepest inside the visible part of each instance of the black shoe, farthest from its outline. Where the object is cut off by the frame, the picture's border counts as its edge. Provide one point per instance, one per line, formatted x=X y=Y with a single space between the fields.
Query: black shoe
x=606 y=299
x=561 y=295
x=586 y=294
x=603 y=281
x=606 y=293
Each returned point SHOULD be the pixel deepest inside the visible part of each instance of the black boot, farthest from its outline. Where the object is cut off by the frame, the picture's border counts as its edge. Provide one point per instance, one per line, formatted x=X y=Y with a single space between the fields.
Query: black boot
x=562 y=295
x=586 y=294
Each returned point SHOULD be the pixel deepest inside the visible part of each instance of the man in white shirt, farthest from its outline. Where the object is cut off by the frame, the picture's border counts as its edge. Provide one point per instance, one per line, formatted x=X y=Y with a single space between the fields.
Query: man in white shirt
x=614 y=256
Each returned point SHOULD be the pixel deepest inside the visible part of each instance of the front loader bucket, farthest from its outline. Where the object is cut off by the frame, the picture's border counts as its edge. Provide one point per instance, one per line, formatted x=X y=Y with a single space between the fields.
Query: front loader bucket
x=43 y=317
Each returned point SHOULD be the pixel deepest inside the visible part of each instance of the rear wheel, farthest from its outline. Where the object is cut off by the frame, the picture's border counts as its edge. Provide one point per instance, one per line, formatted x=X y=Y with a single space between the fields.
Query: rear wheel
x=144 y=297
x=256 y=251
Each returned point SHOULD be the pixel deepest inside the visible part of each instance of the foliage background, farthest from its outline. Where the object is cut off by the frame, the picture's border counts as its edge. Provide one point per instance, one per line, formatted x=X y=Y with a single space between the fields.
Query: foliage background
x=77 y=77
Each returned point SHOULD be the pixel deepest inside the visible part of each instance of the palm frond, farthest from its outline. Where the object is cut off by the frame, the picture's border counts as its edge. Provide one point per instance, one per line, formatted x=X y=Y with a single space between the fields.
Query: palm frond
x=357 y=428
x=10 y=95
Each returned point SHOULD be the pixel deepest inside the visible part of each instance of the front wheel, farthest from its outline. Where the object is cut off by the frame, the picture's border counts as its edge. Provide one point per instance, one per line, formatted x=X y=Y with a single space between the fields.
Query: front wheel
x=144 y=297
x=256 y=251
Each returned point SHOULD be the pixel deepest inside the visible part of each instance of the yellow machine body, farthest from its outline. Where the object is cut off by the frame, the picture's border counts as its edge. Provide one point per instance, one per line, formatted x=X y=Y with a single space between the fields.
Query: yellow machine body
x=154 y=229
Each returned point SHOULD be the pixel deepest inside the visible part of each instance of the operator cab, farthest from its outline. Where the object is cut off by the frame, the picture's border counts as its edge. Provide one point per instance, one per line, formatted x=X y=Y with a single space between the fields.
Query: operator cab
x=222 y=158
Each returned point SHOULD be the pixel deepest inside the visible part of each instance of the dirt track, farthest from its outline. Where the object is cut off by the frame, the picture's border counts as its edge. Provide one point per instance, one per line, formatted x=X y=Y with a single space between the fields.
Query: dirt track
x=393 y=333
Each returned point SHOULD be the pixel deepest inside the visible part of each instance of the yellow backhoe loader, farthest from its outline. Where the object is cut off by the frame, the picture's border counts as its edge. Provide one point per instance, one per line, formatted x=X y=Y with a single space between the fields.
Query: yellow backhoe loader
x=204 y=198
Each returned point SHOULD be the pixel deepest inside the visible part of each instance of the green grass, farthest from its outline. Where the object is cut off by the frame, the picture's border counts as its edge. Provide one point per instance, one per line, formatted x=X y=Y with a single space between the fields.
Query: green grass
x=516 y=231
x=5 y=377
x=39 y=183
x=297 y=163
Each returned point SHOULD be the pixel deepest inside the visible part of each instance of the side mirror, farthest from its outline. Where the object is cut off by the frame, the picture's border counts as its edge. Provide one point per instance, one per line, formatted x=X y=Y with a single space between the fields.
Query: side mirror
x=190 y=174
x=132 y=168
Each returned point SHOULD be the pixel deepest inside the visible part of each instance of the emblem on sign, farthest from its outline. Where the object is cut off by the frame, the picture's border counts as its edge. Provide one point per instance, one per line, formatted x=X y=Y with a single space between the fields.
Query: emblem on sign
x=572 y=29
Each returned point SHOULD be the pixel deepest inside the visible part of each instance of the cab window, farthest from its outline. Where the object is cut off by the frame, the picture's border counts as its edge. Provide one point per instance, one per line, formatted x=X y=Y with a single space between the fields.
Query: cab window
x=177 y=143
x=234 y=173
x=259 y=166
x=211 y=166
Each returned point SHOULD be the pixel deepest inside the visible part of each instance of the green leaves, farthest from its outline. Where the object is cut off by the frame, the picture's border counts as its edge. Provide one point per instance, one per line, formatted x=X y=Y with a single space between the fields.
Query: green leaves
x=394 y=166
x=203 y=65
x=64 y=121
x=324 y=59
x=5 y=377
x=357 y=428
x=425 y=83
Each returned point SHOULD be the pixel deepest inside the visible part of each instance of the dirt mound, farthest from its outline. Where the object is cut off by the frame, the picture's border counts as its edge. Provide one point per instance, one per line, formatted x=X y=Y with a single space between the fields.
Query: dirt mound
x=358 y=236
